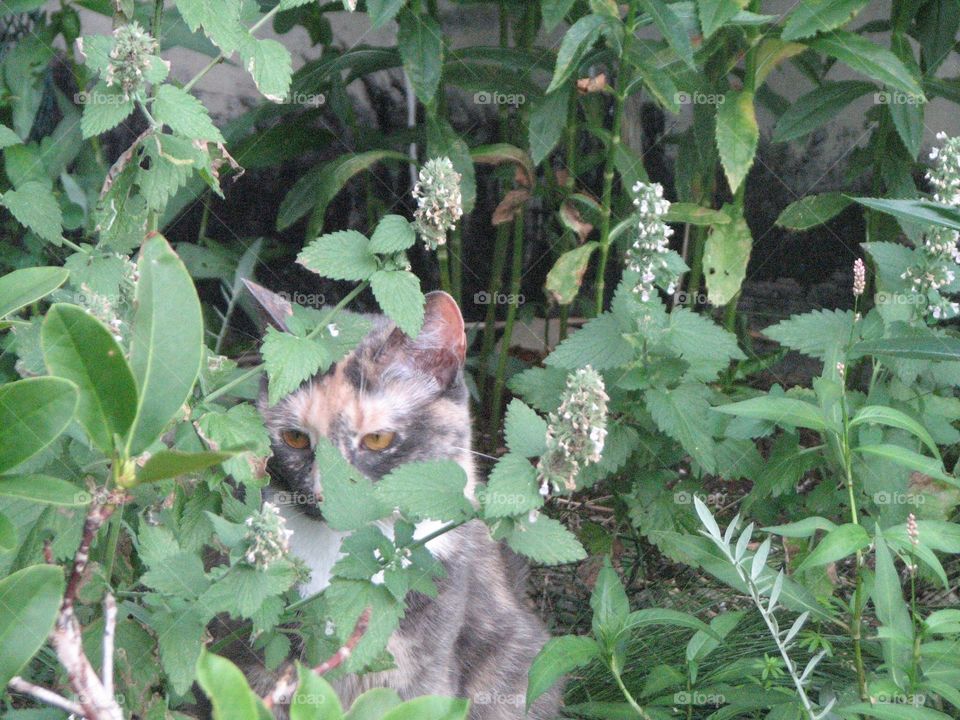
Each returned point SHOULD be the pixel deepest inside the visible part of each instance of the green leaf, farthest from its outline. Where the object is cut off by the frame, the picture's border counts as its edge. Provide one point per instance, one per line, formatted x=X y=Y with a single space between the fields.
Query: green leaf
x=314 y=698
x=420 y=42
x=912 y=348
x=30 y=599
x=430 y=707
x=910 y=460
x=558 y=657
x=433 y=489
x=35 y=207
x=693 y=214
x=43 y=489
x=180 y=573
x=566 y=276
x=891 y=417
x=24 y=287
x=342 y=255
x=892 y=612
x=243 y=590
x=220 y=22
x=599 y=343
x=172 y=463
x=166 y=347
x=373 y=704
x=890 y=711
x=664 y=616
x=714 y=13
x=816 y=333
x=814 y=16
x=841 y=542
x=79 y=348
x=444 y=141
x=511 y=488
x=8 y=534
x=699 y=341
x=8 y=137
x=609 y=604
x=398 y=294
x=737 y=135
x=576 y=42
x=725 y=257
x=812 y=210
x=270 y=65
x=289 y=360
x=227 y=688
x=349 y=499
x=683 y=414
x=672 y=29
x=393 y=233
x=524 y=430
x=33 y=413
x=547 y=122
x=924 y=212
x=184 y=114
x=817 y=107
x=554 y=12
x=545 y=541
x=802 y=528
x=103 y=109
x=780 y=410
x=382 y=11
x=869 y=59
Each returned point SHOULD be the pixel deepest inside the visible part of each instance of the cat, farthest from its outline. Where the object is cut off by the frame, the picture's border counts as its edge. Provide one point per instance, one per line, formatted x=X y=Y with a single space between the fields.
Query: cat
x=396 y=399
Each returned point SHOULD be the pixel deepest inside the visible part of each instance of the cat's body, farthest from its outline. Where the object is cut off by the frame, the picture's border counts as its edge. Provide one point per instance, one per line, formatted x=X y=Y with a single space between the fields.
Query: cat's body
x=477 y=638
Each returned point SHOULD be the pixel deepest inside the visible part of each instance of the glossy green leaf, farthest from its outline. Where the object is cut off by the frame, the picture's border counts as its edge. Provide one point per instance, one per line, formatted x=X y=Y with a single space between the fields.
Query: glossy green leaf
x=812 y=210
x=714 y=13
x=227 y=688
x=80 y=348
x=172 y=463
x=30 y=599
x=24 y=287
x=924 y=212
x=810 y=17
x=868 y=58
x=430 y=707
x=166 y=347
x=43 y=489
x=841 y=542
x=672 y=29
x=737 y=135
x=33 y=413
x=373 y=704
x=314 y=699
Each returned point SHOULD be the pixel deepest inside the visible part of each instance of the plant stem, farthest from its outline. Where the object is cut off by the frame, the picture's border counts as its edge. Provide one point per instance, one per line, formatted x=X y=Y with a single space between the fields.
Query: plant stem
x=493 y=289
x=112 y=539
x=443 y=255
x=515 y=277
x=456 y=268
x=630 y=699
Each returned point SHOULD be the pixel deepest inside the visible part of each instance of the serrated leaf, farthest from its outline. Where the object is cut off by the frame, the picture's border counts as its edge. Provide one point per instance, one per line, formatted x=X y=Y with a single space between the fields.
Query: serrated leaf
x=220 y=21
x=599 y=343
x=399 y=296
x=524 y=430
x=817 y=107
x=35 y=207
x=270 y=65
x=103 y=109
x=737 y=135
x=812 y=210
x=430 y=490
x=382 y=11
x=511 y=488
x=184 y=114
x=714 y=13
x=342 y=255
x=868 y=58
x=420 y=43
x=576 y=42
x=546 y=126
x=178 y=574
x=683 y=414
x=289 y=360
x=545 y=541
x=706 y=346
x=814 y=16
x=243 y=589
x=349 y=499
x=393 y=233
x=815 y=333
x=672 y=28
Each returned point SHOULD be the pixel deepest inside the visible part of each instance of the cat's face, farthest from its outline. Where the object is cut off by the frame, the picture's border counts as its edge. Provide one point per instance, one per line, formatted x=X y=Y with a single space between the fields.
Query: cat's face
x=392 y=400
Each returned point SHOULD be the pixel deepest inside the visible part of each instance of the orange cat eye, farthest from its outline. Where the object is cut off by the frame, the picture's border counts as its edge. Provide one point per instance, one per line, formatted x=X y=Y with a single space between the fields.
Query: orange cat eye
x=296 y=439
x=378 y=441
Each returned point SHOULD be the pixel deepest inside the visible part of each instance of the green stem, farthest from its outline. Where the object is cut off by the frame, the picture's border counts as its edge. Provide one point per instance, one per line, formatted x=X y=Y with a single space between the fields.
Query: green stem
x=112 y=539
x=630 y=699
x=493 y=289
x=443 y=255
x=515 y=277
x=456 y=268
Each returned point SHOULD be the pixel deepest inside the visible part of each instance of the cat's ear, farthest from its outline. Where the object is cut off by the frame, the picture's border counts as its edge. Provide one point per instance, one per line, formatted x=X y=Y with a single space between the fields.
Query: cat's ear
x=275 y=309
x=441 y=346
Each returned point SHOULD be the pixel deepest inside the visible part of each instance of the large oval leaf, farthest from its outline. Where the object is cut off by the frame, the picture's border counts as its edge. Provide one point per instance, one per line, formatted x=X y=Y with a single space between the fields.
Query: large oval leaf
x=167 y=342
x=842 y=541
x=227 y=688
x=737 y=135
x=30 y=600
x=43 y=489
x=868 y=58
x=79 y=348
x=22 y=287
x=33 y=412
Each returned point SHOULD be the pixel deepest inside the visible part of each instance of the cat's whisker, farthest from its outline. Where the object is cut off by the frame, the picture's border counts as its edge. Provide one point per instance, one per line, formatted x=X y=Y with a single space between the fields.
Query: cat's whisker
x=475 y=452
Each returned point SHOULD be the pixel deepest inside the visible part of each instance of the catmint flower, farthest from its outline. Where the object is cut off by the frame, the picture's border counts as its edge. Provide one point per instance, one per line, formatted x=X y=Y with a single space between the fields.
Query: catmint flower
x=913 y=532
x=130 y=57
x=938 y=257
x=575 y=432
x=439 y=203
x=647 y=255
x=268 y=537
x=859 y=277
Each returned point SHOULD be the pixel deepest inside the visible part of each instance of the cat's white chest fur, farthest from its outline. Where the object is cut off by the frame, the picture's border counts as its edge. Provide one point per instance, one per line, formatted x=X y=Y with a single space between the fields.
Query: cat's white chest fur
x=318 y=545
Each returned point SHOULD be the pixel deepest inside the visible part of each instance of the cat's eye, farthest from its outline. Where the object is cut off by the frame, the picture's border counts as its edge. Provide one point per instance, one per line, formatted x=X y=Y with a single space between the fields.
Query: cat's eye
x=296 y=439
x=378 y=441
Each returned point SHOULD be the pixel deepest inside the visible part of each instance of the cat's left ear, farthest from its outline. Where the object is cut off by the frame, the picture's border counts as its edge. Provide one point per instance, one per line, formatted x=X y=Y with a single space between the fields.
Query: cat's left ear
x=274 y=308
x=441 y=346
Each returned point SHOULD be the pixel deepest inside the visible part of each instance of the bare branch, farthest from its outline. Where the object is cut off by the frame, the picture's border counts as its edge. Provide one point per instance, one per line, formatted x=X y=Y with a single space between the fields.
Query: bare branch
x=48 y=697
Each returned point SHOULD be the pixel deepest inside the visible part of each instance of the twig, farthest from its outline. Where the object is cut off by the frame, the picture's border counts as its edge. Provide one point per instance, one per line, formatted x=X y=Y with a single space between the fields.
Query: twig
x=286 y=686
x=48 y=697
x=109 y=632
